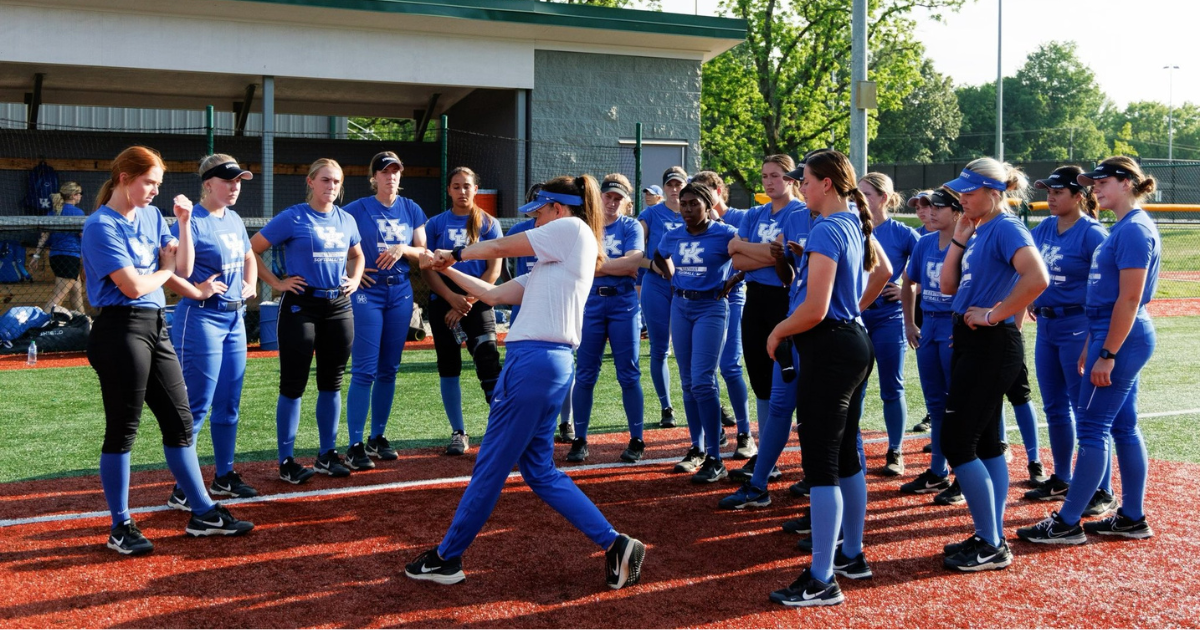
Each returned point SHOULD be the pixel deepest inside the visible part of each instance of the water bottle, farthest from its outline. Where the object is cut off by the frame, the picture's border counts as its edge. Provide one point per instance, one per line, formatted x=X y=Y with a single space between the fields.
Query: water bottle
x=460 y=335
x=31 y=356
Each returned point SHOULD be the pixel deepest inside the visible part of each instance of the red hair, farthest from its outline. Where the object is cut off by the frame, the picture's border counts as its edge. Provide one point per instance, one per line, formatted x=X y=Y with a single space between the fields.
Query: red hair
x=132 y=162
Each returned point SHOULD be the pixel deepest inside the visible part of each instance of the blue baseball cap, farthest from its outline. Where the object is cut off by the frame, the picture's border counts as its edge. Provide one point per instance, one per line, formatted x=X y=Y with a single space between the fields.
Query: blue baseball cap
x=653 y=189
x=546 y=197
x=970 y=181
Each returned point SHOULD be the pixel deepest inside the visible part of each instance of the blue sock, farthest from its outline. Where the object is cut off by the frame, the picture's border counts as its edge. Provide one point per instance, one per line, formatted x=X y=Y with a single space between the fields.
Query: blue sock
x=582 y=399
x=287 y=423
x=937 y=460
x=1106 y=480
x=1090 y=465
x=826 y=512
x=1027 y=423
x=1134 y=462
x=661 y=376
x=1062 y=449
x=976 y=484
x=358 y=403
x=998 y=470
x=186 y=469
x=854 y=512
x=382 y=395
x=114 y=478
x=635 y=409
x=452 y=401
x=739 y=400
x=862 y=453
x=895 y=416
x=772 y=438
x=762 y=411
x=224 y=437
x=329 y=411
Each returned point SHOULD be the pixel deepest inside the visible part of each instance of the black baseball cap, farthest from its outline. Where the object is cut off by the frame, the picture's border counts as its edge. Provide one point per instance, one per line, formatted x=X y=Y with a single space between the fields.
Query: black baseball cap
x=797 y=173
x=943 y=199
x=915 y=200
x=670 y=175
x=383 y=161
x=1102 y=171
x=1062 y=177
x=617 y=187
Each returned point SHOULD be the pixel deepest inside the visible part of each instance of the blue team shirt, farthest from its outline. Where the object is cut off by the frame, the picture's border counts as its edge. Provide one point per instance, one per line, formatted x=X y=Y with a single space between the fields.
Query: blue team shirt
x=448 y=230
x=987 y=272
x=761 y=225
x=64 y=243
x=620 y=237
x=221 y=245
x=702 y=260
x=1134 y=243
x=838 y=236
x=796 y=229
x=898 y=241
x=382 y=228
x=925 y=269
x=734 y=218
x=1068 y=257
x=524 y=264
x=110 y=242
x=659 y=220
x=315 y=244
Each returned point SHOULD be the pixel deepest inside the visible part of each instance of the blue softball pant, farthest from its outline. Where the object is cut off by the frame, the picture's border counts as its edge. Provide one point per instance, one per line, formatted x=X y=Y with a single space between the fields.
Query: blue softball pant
x=933 y=366
x=885 y=325
x=612 y=319
x=731 y=361
x=382 y=315
x=1060 y=342
x=699 y=334
x=521 y=426
x=773 y=431
x=657 y=296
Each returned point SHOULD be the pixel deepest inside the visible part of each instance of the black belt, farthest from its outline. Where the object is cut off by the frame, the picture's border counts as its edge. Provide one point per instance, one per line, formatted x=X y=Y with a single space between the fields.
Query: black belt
x=611 y=291
x=219 y=305
x=925 y=313
x=686 y=294
x=392 y=280
x=1053 y=312
x=324 y=294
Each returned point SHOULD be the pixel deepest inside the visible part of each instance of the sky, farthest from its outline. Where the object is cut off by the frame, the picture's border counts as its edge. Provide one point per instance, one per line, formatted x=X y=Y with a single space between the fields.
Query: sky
x=1157 y=33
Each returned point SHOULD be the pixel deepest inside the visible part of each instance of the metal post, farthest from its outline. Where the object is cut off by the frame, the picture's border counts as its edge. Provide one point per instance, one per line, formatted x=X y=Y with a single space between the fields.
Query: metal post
x=858 y=74
x=999 y=80
x=268 y=146
x=637 y=170
x=445 y=160
x=208 y=129
x=1171 y=112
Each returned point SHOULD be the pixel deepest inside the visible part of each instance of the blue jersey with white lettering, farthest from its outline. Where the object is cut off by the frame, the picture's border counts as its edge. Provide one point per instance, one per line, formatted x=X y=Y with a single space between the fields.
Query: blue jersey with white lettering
x=524 y=264
x=384 y=227
x=925 y=269
x=988 y=275
x=898 y=241
x=64 y=243
x=1133 y=243
x=796 y=229
x=111 y=242
x=838 y=236
x=221 y=245
x=702 y=260
x=315 y=244
x=1068 y=258
x=620 y=237
x=448 y=230
x=762 y=225
x=659 y=220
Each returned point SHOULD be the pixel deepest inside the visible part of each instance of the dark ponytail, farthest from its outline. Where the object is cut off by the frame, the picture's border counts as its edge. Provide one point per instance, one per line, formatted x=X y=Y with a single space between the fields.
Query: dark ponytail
x=1090 y=204
x=864 y=217
x=591 y=212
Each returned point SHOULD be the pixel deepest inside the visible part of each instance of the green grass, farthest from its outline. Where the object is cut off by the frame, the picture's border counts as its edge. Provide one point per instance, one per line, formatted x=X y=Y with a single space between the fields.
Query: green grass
x=51 y=420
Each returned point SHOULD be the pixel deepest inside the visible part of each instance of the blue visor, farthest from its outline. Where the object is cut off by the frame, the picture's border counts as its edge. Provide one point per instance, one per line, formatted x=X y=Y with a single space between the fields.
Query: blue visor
x=970 y=181
x=546 y=198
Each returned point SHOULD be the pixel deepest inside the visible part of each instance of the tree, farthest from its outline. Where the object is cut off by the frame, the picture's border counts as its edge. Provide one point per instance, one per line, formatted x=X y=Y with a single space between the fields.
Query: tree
x=1143 y=128
x=926 y=125
x=786 y=89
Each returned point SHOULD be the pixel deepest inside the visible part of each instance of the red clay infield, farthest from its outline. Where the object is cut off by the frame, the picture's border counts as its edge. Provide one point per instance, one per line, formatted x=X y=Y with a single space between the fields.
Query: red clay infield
x=338 y=561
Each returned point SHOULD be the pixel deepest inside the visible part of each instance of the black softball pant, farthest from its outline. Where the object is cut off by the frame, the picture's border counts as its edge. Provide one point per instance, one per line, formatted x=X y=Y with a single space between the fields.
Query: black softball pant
x=480 y=328
x=835 y=360
x=986 y=364
x=129 y=349
x=308 y=324
x=766 y=306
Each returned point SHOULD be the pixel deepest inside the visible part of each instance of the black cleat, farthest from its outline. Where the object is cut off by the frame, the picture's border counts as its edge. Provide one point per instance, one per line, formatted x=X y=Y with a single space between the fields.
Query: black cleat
x=950 y=549
x=746 y=471
x=1037 y=474
x=294 y=473
x=894 y=466
x=623 y=562
x=1120 y=525
x=722 y=439
x=950 y=496
x=127 y=540
x=809 y=591
x=634 y=451
x=1052 y=531
x=668 y=418
x=579 y=450
x=566 y=433
x=926 y=483
x=459 y=443
x=746 y=448
x=357 y=458
x=928 y=448
x=1052 y=489
x=746 y=496
x=231 y=485
x=711 y=471
x=218 y=522
x=923 y=426
x=380 y=448
x=982 y=556
x=1102 y=503
x=330 y=463
x=855 y=568
x=178 y=500
x=799 y=489
x=690 y=462
x=428 y=566
x=727 y=419
x=798 y=526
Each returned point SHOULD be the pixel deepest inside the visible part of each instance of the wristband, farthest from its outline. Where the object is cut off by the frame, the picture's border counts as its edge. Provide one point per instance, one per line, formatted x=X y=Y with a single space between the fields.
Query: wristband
x=987 y=317
x=457 y=253
x=1105 y=354
x=955 y=242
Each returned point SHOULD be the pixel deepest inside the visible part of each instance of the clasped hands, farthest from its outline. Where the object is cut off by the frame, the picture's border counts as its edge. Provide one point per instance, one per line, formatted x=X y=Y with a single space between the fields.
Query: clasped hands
x=437 y=260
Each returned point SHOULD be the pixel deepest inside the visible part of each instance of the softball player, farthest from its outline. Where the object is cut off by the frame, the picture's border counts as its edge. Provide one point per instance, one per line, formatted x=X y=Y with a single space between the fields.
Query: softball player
x=452 y=313
x=393 y=228
x=611 y=314
x=1121 y=339
x=64 y=249
x=657 y=294
x=920 y=204
x=209 y=335
x=696 y=259
x=993 y=277
x=835 y=360
x=568 y=242
x=129 y=254
x=324 y=267
x=884 y=318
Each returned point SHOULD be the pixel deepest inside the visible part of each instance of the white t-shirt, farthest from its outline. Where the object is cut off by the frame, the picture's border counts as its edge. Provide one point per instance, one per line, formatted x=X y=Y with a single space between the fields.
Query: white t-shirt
x=557 y=287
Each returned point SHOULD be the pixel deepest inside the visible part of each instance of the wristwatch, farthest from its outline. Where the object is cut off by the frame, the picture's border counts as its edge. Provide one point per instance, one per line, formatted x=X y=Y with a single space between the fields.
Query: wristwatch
x=457 y=253
x=1105 y=354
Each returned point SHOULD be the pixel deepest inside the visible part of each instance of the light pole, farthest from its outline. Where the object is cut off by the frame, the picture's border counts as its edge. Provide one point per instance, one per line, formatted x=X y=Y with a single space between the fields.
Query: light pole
x=999 y=80
x=1170 y=111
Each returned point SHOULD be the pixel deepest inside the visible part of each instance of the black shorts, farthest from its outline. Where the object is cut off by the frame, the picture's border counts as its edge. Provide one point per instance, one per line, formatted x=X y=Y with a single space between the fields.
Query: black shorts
x=66 y=267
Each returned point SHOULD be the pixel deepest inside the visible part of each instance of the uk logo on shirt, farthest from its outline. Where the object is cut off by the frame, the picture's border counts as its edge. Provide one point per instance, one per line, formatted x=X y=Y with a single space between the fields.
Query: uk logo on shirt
x=1052 y=256
x=933 y=275
x=391 y=230
x=768 y=232
x=671 y=225
x=612 y=246
x=233 y=244
x=966 y=267
x=144 y=252
x=331 y=237
x=689 y=254
x=458 y=237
